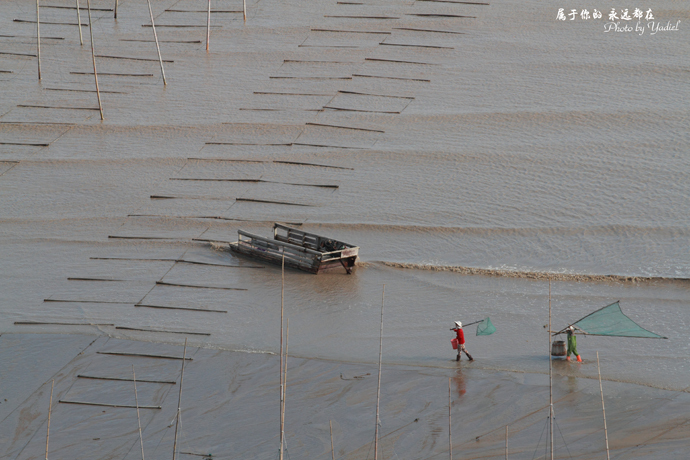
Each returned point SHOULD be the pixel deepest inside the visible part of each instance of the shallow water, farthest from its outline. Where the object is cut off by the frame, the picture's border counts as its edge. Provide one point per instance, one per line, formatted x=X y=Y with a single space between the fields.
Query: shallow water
x=535 y=145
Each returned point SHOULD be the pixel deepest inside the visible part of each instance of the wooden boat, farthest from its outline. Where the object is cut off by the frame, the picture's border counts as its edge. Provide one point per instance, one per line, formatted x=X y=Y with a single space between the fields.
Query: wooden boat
x=304 y=251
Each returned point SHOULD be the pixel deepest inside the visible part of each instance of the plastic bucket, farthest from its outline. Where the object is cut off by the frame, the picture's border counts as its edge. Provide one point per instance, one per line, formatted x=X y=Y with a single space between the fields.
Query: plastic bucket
x=454 y=343
x=558 y=348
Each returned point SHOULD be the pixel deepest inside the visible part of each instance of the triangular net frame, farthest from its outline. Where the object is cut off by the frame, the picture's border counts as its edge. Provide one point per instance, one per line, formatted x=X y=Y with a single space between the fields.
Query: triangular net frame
x=611 y=321
x=485 y=327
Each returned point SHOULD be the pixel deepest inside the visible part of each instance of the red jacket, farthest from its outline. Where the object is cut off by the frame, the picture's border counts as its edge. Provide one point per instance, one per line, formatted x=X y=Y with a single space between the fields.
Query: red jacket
x=460 y=336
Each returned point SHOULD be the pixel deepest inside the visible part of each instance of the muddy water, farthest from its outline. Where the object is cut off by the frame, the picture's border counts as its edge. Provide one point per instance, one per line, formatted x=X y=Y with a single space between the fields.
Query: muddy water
x=520 y=143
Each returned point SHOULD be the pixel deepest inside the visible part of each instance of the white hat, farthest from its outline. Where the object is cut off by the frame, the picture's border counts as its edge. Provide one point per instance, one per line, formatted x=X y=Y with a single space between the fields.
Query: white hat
x=458 y=324
x=571 y=328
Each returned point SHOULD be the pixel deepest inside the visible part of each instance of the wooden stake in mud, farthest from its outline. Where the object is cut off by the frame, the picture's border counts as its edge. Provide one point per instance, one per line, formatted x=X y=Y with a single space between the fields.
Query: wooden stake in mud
x=603 y=409
x=81 y=38
x=506 y=442
x=282 y=411
x=115 y=14
x=50 y=409
x=450 y=426
x=93 y=58
x=136 y=401
x=244 y=9
x=330 y=425
x=155 y=36
x=378 y=388
x=38 y=41
x=282 y=394
x=208 y=25
x=550 y=378
x=179 y=401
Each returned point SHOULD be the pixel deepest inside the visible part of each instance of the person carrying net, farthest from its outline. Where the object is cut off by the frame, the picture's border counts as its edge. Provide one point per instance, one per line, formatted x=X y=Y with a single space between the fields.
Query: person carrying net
x=460 y=338
x=572 y=344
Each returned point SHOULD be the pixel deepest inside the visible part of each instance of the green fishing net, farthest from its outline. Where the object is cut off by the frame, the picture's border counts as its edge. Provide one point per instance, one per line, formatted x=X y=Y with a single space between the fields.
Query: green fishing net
x=485 y=327
x=611 y=321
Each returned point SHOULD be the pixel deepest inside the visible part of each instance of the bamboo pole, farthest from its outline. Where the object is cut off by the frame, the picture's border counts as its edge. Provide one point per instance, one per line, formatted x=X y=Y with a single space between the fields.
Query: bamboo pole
x=50 y=410
x=282 y=394
x=378 y=388
x=550 y=379
x=450 y=426
x=136 y=401
x=506 y=442
x=93 y=58
x=179 y=400
x=155 y=36
x=115 y=14
x=282 y=411
x=81 y=38
x=330 y=425
x=244 y=9
x=38 y=41
x=208 y=26
x=603 y=409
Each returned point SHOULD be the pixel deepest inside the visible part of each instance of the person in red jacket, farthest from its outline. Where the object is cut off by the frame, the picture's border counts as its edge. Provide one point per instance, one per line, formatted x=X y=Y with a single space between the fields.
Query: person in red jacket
x=461 y=340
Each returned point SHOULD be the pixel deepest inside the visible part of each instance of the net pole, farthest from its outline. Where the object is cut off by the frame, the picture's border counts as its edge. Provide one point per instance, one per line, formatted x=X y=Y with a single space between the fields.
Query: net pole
x=450 y=426
x=550 y=379
x=506 y=442
x=378 y=388
x=603 y=409
x=282 y=394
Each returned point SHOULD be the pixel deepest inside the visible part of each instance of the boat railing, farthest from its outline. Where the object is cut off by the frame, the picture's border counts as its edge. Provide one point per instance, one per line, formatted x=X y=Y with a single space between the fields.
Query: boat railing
x=277 y=248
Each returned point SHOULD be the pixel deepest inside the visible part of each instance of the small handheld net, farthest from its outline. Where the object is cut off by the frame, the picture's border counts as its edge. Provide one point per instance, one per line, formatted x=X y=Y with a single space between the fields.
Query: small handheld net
x=485 y=327
x=611 y=321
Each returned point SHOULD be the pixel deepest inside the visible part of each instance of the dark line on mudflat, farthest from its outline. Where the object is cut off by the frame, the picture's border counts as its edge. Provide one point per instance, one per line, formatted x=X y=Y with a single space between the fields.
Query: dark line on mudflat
x=377 y=95
x=359 y=17
x=345 y=127
x=279 y=110
x=88 y=301
x=130 y=58
x=53 y=23
x=316 y=62
x=391 y=78
x=242 y=143
x=160 y=41
x=6 y=71
x=256 y=181
x=92 y=279
x=352 y=31
x=292 y=94
x=163 y=283
x=36 y=123
x=125 y=328
x=311 y=164
x=437 y=15
x=253 y=200
x=142 y=237
x=115 y=74
x=340 y=109
x=142 y=355
x=120 y=379
x=229 y=159
x=24 y=143
x=55 y=107
x=328 y=147
x=127 y=258
x=17 y=54
x=453 y=1
x=429 y=30
x=418 y=46
x=202 y=11
x=74 y=8
x=398 y=61
x=310 y=78
x=29 y=323
x=181 y=26
x=84 y=90
x=180 y=308
x=108 y=405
